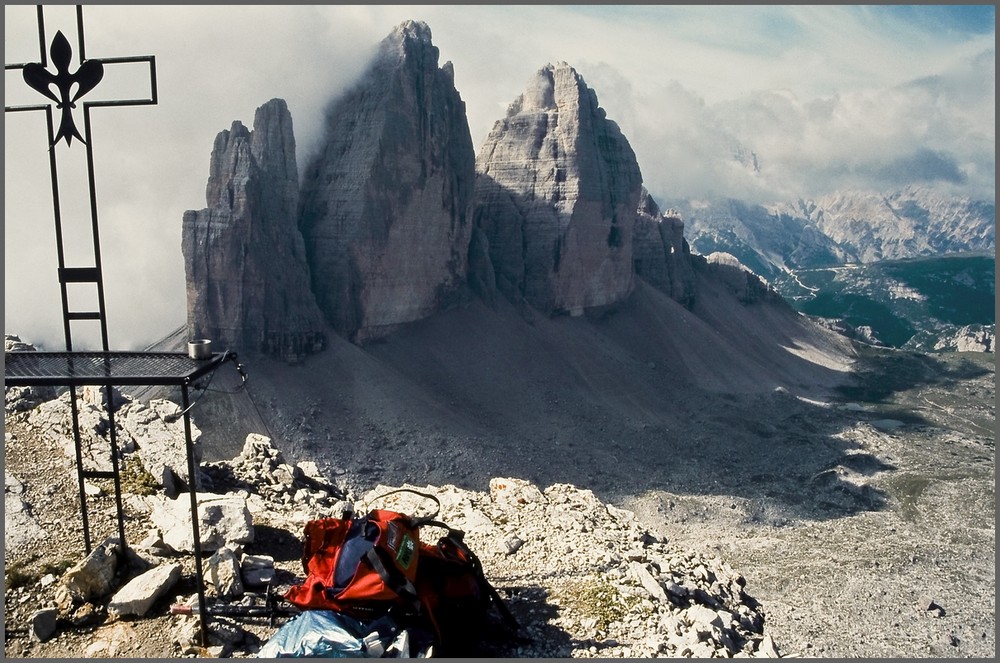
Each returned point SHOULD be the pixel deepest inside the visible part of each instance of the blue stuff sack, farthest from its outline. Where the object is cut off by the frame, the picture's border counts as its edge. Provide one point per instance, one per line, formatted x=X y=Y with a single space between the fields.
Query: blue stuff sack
x=329 y=634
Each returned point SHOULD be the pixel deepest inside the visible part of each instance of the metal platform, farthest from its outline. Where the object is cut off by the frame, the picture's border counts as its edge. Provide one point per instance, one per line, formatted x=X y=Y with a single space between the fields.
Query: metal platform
x=77 y=369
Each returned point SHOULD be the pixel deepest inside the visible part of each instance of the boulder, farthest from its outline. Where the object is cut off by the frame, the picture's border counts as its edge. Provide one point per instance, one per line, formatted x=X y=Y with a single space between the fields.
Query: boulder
x=140 y=593
x=94 y=576
x=223 y=573
x=257 y=570
x=43 y=624
x=223 y=520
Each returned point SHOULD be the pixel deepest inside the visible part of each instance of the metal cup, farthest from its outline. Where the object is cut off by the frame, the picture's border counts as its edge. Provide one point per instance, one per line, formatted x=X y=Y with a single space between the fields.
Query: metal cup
x=200 y=348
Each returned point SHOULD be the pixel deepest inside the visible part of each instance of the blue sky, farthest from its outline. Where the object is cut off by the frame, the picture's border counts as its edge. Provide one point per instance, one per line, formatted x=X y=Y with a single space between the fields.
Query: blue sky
x=829 y=97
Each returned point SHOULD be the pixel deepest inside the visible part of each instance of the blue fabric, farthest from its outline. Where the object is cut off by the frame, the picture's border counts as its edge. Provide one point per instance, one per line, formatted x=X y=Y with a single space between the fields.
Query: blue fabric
x=317 y=633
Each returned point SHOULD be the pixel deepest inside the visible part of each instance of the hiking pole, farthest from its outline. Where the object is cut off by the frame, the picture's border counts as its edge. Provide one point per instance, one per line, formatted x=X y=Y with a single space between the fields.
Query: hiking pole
x=270 y=609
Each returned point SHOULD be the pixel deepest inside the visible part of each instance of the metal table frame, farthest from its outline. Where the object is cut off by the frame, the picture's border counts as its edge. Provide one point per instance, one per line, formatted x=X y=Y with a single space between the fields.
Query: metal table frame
x=106 y=369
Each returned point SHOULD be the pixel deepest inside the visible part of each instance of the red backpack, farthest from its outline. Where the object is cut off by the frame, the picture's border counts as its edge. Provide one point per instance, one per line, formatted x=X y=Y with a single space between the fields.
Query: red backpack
x=373 y=565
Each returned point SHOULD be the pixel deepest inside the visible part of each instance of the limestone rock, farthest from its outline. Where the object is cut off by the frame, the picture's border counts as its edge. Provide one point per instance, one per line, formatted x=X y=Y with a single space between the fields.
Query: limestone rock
x=20 y=525
x=93 y=577
x=223 y=520
x=140 y=593
x=160 y=441
x=244 y=257
x=556 y=195
x=747 y=286
x=660 y=253
x=223 y=573
x=387 y=203
x=257 y=570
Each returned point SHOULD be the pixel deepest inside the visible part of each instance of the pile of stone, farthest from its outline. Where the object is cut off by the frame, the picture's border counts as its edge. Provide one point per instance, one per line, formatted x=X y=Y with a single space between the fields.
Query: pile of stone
x=617 y=589
x=21 y=399
x=584 y=578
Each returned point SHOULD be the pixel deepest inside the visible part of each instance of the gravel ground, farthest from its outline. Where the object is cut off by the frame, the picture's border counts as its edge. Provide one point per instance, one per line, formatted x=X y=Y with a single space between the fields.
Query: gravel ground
x=861 y=516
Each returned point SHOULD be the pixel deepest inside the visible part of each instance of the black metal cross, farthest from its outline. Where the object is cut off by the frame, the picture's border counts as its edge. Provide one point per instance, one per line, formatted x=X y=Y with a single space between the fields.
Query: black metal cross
x=65 y=87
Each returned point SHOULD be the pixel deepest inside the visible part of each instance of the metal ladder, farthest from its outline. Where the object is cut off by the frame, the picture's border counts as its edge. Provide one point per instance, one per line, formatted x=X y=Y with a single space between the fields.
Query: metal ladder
x=94 y=276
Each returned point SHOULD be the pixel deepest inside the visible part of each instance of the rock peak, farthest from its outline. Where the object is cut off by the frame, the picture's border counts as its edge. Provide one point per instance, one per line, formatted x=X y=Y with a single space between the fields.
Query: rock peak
x=247 y=279
x=411 y=30
x=386 y=206
x=557 y=195
x=406 y=40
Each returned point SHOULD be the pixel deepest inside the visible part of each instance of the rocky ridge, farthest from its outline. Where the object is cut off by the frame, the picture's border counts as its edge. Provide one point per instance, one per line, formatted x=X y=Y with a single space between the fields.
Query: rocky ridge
x=660 y=253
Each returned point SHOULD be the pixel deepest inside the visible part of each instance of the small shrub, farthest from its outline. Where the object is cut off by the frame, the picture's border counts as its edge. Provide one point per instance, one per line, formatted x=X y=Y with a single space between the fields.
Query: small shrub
x=597 y=599
x=136 y=479
x=17 y=576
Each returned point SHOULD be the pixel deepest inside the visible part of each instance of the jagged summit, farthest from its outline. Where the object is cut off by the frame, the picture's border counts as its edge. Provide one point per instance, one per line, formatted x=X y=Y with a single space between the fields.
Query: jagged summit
x=408 y=31
x=557 y=195
x=386 y=204
x=247 y=280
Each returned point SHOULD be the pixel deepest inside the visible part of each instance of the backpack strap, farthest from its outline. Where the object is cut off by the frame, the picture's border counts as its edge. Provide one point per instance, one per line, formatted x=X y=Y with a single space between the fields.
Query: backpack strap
x=417 y=522
x=394 y=580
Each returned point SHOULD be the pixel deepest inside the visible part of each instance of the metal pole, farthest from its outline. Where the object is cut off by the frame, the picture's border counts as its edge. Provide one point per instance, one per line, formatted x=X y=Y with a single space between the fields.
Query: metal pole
x=193 y=491
x=113 y=438
x=77 y=442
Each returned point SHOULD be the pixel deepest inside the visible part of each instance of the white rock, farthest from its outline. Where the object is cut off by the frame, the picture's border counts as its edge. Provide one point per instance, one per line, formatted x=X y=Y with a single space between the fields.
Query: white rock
x=515 y=491
x=223 y=520
x=139 y=595
x=93 y=577
x=647 y=581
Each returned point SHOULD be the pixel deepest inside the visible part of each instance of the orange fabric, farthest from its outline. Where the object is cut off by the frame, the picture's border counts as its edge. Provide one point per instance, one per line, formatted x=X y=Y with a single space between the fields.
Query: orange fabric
x=322 y=546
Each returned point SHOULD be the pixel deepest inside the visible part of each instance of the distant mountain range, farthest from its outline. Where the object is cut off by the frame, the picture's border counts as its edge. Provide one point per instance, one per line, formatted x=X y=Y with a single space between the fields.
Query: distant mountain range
x=912 y=268
x=838 y=229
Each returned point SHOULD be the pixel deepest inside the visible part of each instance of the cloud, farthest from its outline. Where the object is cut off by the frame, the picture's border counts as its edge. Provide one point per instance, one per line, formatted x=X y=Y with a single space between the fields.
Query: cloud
x=921 y=166
x=825 y=96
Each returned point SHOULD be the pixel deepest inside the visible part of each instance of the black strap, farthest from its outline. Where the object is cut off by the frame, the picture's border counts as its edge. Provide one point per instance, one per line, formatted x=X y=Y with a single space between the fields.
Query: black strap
x=417 y=522
x=397 y=582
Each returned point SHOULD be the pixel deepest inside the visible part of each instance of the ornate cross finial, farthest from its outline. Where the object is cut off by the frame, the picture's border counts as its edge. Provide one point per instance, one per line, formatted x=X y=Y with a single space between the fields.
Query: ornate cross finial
x=86 y=79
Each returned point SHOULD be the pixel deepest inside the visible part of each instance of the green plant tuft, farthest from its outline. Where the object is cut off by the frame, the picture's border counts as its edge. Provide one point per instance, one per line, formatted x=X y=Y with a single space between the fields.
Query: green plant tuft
x=136 y=479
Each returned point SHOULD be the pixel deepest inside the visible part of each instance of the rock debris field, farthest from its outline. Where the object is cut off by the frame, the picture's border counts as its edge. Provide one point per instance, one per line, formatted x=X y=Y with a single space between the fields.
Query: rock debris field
x=888 y=549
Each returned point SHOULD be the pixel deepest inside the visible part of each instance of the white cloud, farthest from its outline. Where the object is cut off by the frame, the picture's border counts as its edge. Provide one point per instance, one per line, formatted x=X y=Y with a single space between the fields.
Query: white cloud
x=825 y=95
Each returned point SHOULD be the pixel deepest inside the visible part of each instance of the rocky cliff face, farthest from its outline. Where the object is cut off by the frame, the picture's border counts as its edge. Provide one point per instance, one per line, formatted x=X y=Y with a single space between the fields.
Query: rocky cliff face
x=247 y=278
x=660 y=254
x=556 y=197
x=386 y=207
